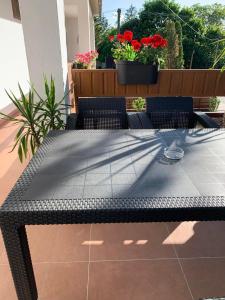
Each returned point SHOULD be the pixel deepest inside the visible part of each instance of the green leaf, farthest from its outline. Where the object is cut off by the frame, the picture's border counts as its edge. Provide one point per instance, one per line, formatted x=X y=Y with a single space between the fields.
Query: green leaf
x=20 y=153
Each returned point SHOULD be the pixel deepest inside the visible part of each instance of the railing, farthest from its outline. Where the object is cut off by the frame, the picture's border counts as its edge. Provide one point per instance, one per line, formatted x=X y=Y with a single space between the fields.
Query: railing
x=195 y=83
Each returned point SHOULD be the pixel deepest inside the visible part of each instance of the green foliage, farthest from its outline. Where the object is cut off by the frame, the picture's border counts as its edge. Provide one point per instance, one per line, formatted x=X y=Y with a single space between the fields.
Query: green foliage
x=180 y=57
x=174 y=57
x=150 y=55
x=214 y=103
x=52 y=110
x=37 y=117
x=213 y=14
x=124 y=52
x=173 y=47
x=200 y=26
x=134 y=25
x=131 y=13
x=138 y=104
x=220 y=57
x=101 y=29
x=154 y=15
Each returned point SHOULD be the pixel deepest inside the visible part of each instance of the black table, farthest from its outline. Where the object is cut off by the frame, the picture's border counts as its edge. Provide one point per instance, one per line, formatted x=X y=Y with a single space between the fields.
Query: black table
x=112 y=176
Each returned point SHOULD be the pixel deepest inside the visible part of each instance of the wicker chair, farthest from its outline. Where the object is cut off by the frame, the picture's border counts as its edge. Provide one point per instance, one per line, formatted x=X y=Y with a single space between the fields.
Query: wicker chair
x=101 y=113
x=173 y=112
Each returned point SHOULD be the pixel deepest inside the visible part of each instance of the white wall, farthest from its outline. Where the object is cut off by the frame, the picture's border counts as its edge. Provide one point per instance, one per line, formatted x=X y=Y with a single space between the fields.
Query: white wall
x=13 y=62
x=45 y=41
x=92 y=30
x=72 y=37
x=79 y=27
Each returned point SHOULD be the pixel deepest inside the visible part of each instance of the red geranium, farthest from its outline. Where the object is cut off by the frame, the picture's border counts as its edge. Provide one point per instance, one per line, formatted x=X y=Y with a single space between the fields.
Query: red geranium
x=120 y=38
x=111 y=38
x=146 y=41
x=158 y=41
x=128 y=35
x=136 y=45
x=147 y=50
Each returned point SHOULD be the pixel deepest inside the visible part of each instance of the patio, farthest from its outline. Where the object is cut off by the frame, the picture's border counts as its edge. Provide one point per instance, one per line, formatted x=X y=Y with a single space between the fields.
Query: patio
x=107 y=261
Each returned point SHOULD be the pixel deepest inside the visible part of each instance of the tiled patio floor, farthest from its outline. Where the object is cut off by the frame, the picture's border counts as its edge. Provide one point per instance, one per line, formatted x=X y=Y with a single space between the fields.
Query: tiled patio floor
x=176 y=261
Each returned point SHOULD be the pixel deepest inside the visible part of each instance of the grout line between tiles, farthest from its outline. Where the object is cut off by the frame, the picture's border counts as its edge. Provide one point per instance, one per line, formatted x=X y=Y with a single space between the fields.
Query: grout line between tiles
x=120 y=260
x=185 y=278
x=89 y=261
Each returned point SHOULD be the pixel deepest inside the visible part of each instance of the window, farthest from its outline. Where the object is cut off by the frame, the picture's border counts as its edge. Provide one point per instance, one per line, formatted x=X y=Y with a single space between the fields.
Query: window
x=16 y=9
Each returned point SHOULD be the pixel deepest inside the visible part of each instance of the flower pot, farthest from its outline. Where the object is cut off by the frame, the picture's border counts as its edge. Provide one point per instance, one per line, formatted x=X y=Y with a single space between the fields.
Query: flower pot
x=131 y=72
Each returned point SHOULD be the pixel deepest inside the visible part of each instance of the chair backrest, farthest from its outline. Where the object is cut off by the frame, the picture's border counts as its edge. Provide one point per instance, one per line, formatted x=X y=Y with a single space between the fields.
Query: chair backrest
x=169 y=104
x=171 y=112
x=102 y=113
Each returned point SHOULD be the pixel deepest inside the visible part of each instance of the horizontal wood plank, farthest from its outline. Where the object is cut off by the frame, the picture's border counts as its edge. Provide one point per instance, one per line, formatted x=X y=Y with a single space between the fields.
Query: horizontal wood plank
x=195 y=83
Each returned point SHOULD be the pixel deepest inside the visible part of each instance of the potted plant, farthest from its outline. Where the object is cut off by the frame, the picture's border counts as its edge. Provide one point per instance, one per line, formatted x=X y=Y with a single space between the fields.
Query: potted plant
x=137 y=61
x=85 y=60
x=37 y=116
x=138 y=104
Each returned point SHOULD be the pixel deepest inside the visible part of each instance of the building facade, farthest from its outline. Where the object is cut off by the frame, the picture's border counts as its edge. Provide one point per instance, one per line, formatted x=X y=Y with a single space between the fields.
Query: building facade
x=39 y=38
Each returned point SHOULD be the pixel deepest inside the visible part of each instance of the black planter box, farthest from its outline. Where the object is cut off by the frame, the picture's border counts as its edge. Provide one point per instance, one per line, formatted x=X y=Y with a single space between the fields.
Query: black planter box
x=131 y=72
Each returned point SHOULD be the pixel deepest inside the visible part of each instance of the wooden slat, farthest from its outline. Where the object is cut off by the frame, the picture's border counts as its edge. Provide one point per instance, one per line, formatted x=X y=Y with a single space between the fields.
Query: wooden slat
x=195 y=83
x=176 y=82
x=142 y=90
x=187 y=83
x=164 y=83
x=199 y=83
x=109 y=84
x=220 y=90
x=210 y=83
x=120 y=90
x=86 y=84
x=131 y=90
x=98 y=83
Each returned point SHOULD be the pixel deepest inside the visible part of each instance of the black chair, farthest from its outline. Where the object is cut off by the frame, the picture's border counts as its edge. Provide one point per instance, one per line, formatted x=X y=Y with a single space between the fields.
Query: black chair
x=101 y=113
x=173 y=112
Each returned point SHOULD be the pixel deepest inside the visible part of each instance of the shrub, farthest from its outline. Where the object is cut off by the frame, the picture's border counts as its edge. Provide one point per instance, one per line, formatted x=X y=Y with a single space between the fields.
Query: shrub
x=138 y=104
x=214 y=103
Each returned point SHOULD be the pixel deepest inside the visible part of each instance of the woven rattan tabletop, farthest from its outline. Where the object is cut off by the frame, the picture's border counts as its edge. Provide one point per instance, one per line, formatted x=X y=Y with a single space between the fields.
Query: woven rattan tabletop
x=87 y=176
x=112 y=176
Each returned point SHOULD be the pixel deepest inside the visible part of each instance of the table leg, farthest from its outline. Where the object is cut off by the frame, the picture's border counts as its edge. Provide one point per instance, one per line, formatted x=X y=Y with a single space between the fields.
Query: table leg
x=18 y=252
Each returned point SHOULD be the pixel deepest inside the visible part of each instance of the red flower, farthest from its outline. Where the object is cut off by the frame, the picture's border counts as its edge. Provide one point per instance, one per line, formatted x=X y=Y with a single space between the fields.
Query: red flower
x=136 y=45
x=111 y=38
x=158 y=41
x=146 y=41
x=120 y=38
x=128 y=35
x=164 y=43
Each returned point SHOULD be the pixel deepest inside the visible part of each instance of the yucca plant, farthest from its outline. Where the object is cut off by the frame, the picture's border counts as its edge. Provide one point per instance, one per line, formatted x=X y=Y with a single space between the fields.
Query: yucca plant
x=36 y=117
x=29 y=135
x=51 y=111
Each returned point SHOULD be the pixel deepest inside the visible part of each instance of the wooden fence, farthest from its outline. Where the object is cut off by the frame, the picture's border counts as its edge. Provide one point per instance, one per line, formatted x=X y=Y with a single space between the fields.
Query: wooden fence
x=195 y=83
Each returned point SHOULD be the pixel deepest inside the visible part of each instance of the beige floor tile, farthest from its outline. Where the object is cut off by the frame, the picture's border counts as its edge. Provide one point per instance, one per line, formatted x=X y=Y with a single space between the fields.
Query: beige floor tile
x=71 y=243
x=65 y=281
x=129 y=241
x=59 y=243
x=197 y=239
x=7 y=289
x=3 y=258
x=137 y=280
x=206 y=277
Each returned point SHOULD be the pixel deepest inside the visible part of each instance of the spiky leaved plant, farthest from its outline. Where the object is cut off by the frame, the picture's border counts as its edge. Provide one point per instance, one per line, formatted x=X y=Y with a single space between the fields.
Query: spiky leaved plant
x=36 y=117
x=51 y=111
x=30 y=133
